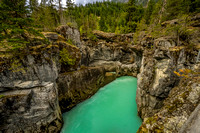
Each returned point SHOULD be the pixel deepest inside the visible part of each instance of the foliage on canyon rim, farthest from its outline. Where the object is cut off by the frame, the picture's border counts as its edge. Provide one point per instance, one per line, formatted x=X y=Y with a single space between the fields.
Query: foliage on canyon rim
x=66 y=58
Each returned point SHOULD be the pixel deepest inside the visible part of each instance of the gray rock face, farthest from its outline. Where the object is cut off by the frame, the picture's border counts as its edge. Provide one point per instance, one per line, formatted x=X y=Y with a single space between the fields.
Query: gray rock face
x=155 y=80
x=154 y=68
x=178 y=108
x=29 y=73
x=28 y=90
x=193 y=122
x=31 y=110
x=51 y=36
x=157 y=77
x=29 y=96
x=119 y=58
x=70 y=33
x=75 y=87
x=112 y=37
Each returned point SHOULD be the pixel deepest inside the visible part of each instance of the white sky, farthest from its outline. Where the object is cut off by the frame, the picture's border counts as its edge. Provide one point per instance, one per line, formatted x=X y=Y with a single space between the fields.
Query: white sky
x=79 y=1
x=85 y=1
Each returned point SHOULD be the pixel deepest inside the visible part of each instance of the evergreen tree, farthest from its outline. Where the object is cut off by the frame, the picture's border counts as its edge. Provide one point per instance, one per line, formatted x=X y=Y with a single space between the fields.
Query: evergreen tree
x=14 y=21
x=134 y=15
x=47 y=16
x=70 y=5
x=194 y=6
x=149 y=11
x=105 y=16
x=44 y=2
x=179 y=7
x=33 y=5
x=102 y=24
x=131 y=8
x=157 y=12
x=62 y=21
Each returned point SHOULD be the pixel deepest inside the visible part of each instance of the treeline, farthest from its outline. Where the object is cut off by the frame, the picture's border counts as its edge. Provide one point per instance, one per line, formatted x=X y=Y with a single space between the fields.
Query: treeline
x=108 y=16
x=121 y=17
x=21 y=21
x=163 y=10
x=22 y=17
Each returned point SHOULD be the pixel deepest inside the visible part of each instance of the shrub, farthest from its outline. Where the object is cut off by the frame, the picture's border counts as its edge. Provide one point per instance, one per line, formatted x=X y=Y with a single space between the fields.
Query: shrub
x=66 y=58
x=1 y=96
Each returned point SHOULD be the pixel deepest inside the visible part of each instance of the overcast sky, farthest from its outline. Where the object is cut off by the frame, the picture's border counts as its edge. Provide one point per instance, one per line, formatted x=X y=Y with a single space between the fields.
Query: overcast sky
x=83 y=2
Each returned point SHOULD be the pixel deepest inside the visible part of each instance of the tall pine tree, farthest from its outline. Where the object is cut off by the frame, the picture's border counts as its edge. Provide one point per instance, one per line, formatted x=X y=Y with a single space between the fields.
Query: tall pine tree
x=14 y=21
x=134 y=15
x=149 y=11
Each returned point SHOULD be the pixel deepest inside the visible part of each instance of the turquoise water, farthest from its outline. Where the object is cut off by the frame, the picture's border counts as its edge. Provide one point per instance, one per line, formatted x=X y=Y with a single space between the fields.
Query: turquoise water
x=112 y=109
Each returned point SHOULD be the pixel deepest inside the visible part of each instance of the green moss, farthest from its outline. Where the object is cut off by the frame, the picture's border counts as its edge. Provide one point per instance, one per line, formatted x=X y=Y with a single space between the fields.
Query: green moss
x=1 y=96
x=159 y=130
x=184 y=95
x=69 y=41
x=66 y=58
x=16 y=66
x=15 y=97
x=153 y=126
x=151 y=120
x=93 y=37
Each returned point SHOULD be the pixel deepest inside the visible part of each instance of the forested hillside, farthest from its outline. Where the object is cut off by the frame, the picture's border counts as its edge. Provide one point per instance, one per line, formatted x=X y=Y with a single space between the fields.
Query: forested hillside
x=28 y=17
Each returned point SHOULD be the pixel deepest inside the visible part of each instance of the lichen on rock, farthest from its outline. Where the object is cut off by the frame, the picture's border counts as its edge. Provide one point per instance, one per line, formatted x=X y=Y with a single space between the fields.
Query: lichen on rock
x=178 y=106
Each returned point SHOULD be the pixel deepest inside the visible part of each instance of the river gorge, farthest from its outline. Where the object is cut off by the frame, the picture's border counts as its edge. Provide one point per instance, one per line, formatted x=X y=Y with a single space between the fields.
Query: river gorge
x=112 y=109
x=39 y=86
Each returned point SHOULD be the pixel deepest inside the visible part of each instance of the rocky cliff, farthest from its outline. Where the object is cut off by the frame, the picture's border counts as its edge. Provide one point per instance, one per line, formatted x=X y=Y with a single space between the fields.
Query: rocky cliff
x=75 y=87
x=178 y=108
x=157 y=76
x=113 y=52
x=168 y=84
x=102 y=61
x=154 y=61
x=29 y=101
x=36 y=85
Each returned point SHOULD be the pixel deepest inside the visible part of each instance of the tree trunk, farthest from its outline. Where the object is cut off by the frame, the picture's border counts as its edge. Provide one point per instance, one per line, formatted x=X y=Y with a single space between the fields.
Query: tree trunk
x=60 y=12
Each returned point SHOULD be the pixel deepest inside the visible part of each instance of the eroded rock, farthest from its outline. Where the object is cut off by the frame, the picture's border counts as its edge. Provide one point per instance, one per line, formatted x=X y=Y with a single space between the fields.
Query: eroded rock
x=70 y=33
x=177 y=108
x=31 y=110
x=29 y=96
x=75 y=87
x=157 y=77
x=123 y=59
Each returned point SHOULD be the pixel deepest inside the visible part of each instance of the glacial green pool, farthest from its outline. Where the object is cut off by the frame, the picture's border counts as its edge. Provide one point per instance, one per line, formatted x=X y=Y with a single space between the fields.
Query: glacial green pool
x=112 y=109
